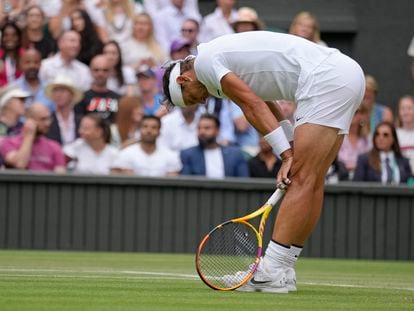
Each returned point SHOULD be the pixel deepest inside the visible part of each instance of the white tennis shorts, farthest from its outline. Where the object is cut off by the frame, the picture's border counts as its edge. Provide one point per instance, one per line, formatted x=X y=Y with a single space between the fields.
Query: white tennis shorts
x=331 y=94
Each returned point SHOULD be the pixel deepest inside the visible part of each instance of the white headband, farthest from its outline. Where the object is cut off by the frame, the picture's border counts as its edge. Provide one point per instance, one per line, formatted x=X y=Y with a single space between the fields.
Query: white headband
x=174 y=88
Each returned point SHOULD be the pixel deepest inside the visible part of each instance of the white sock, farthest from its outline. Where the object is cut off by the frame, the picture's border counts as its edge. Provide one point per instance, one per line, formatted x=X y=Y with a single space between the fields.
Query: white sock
x=277 y=256
x=294 y=254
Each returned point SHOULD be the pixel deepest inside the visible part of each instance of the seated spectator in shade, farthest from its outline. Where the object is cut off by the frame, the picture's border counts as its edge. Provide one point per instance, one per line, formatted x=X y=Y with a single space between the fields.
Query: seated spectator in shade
x=190 y=30
x=336 y=172
x=410 y=53
x=30 y=81
x=10 y=53
x=99 y=98
x=147 y=157
x=128 y=120
x=180 y=48
x=377 y=112
x=405 y=129
x=247 y=20
x=11 y=110
x=219 y=22
x=31 y=149
x=91 y=45
x=179 y=128
x=122 y=78
x=265 y=164
x=142 y=48
x=357 y=142
x=154 y=6
x=246 y=135
x=384 y=163
x=65 y=119
x=34 y=35
x=209 y=158
x=59 y=15
x=65 y=62
x=151 y=97
x=91 y=153
x=306 y=25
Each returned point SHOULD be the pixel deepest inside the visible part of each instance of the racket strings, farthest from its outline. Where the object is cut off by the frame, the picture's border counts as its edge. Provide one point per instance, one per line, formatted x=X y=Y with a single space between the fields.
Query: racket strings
x=228 y=255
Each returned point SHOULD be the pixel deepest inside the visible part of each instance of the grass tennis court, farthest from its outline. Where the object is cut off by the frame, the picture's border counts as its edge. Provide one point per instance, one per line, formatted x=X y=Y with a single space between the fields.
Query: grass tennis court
x=40 y=280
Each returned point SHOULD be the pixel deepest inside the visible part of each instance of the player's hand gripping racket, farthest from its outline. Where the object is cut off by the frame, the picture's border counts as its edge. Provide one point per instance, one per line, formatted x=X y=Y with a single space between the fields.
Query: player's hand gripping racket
x=229 y=254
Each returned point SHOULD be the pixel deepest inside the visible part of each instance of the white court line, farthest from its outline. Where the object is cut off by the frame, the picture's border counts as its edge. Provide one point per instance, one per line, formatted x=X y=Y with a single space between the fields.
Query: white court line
x=136 y=275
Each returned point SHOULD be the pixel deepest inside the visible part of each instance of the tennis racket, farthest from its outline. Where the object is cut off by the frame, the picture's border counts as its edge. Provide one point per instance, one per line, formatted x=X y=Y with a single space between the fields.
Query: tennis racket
x=229 y=254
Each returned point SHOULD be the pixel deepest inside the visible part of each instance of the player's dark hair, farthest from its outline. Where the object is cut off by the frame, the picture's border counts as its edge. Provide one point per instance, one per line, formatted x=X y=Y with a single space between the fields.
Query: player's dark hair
x=210 y=116
x=186 y=65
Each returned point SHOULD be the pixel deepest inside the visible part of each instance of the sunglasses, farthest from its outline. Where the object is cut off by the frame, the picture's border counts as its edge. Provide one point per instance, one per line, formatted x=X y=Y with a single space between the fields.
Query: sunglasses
x=190 y=30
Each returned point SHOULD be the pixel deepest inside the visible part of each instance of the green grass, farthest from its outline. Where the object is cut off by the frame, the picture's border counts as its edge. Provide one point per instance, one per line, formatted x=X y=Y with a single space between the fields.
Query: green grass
x=123 y=281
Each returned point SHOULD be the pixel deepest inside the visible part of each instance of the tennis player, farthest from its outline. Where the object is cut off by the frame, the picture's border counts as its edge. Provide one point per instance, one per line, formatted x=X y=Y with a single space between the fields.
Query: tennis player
x=254 y=69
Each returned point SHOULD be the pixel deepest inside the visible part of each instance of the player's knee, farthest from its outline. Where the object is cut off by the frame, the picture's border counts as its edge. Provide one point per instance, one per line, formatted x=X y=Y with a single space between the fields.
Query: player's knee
x=304 y=179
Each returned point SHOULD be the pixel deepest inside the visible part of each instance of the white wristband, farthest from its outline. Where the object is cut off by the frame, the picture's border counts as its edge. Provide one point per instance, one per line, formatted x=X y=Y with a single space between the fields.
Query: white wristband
x=287 y=128
x=277 y=139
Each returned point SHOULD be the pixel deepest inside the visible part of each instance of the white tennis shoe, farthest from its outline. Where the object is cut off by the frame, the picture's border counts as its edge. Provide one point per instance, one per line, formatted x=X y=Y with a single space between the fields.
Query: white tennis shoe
x=266 y=282
x=290 y=279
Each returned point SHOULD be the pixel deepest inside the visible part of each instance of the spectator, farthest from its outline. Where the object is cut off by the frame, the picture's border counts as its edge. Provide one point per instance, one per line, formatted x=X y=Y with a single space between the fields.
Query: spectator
x=169 y=20
x=219 y=22
x=11 y=10
x=405 y=130
x=117 y=19
x=65 y=62
x=384 y=163
x=357 y=142
x=30 y=81
x=247 y=20
x=127 y=121
x=306 y=25
x=147 y=158
x=91 y=153
x=209 y=158
x=180 y=48
x=122 y=78
x=265 y=164
x=34 y=35
x=179 y=128
x=246 y=135
x=11 y=110
x=30 y=149
x=91 y=45
x=336 y=172
x=154 y=6
x=190 y=30
x=410 y=53
x=10 y=53
x=99 y=98
x=60 y=22
x=142 y=48
x=377 y=112
x=151 y=97
x=65 y=121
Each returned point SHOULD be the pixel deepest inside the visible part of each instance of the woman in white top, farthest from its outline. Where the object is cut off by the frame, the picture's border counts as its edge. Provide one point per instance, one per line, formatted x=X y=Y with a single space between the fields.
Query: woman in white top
x=91 y=153
x=405 y=129
x=122 y=79
x=128 y=121
x=142 y=48
x=117 y=18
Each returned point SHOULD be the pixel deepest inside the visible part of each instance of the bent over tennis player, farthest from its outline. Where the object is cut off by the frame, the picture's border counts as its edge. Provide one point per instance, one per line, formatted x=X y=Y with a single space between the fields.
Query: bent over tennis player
x=253 y=69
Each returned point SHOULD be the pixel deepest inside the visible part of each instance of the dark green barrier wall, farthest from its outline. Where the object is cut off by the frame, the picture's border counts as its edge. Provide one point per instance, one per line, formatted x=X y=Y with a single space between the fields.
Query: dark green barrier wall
x=171 y=215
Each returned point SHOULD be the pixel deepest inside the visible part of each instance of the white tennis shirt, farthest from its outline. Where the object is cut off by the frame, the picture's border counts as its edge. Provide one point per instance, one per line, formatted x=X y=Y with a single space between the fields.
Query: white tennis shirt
x=272 y=64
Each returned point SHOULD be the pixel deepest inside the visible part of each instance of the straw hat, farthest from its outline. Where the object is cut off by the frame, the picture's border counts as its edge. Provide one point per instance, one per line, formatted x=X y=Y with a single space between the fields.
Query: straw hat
x=248 y=15
x=66 y=82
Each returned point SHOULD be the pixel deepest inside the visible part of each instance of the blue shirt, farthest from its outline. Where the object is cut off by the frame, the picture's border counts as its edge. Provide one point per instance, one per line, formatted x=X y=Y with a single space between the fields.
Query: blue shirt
x=150 y=111
x=37 y=96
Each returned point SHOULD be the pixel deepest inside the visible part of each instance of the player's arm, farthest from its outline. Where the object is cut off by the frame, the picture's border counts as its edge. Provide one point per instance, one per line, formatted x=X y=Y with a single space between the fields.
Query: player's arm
x=261 y=117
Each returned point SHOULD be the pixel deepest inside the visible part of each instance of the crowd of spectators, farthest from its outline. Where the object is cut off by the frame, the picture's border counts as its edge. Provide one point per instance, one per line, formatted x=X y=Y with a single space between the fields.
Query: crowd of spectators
x=81 y=92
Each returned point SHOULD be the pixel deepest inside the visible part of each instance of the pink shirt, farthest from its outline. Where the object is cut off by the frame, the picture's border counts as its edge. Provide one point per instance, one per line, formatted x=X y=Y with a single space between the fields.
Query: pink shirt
x=348 y=154
x=46 y=153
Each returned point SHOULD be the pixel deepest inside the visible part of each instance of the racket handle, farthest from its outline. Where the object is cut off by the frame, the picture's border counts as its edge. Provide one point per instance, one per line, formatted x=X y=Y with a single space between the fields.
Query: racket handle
x=275 y=197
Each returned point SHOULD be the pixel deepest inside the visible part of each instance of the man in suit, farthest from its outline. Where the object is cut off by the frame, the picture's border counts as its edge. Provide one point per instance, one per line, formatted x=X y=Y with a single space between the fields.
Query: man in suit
x=209 y=158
